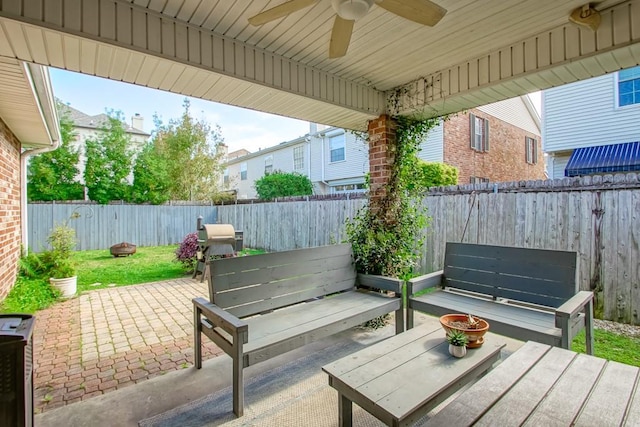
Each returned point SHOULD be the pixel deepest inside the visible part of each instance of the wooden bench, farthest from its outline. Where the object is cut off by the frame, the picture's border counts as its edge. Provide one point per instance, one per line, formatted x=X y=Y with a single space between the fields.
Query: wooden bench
x=265 y=305
x=526 y=294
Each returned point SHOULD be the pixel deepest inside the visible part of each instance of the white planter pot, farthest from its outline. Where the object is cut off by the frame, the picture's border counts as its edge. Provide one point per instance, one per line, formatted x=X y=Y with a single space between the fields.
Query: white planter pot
x=457 y=351
x=67 y=286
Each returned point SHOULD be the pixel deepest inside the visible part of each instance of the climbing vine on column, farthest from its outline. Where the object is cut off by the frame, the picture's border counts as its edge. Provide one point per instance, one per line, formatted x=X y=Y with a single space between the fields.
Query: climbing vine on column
x=386 y=234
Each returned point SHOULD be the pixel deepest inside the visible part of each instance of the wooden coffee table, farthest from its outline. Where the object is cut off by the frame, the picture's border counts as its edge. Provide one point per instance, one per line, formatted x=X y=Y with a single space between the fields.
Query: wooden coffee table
x=400 y=379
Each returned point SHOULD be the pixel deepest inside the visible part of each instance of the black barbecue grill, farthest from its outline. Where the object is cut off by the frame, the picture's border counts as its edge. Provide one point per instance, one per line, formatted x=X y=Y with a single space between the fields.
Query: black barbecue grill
x=213 y=240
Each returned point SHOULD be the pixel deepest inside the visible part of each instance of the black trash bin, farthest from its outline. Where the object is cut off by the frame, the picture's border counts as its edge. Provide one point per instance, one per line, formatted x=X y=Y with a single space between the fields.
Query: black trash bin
x=16 y=370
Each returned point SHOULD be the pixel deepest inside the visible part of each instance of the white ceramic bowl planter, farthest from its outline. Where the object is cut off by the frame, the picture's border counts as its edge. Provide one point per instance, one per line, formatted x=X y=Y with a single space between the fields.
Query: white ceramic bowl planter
x=67 y=286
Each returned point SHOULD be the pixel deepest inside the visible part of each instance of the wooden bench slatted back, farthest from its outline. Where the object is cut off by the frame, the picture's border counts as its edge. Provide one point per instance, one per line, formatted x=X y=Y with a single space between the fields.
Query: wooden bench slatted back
x=549 y=278
x=246 y=286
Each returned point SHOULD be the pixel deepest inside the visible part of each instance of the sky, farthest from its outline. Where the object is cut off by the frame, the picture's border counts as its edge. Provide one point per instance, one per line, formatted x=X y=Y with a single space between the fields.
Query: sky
x=241 y=127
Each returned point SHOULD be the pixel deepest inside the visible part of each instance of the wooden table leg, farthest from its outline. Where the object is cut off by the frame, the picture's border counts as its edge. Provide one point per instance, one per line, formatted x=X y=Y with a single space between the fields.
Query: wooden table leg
x=344 y=411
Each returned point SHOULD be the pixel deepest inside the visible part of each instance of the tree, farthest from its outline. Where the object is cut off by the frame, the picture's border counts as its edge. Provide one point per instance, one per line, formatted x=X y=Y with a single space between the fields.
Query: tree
x=109 y=161
x=52 y=175
x=191 y=148
x=150 y=177
x=283 y=184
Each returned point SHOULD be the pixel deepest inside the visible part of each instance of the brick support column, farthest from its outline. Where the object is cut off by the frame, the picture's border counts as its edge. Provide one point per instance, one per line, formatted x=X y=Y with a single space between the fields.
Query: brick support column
x=382 y=156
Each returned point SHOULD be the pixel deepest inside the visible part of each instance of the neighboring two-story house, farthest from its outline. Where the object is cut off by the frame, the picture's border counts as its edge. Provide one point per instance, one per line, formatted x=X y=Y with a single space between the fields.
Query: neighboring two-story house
x=88 y=127
x=593 y=126
x=495 y=142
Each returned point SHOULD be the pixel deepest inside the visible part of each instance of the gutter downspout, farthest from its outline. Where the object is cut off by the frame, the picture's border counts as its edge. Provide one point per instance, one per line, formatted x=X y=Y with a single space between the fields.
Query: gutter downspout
x=38 y=77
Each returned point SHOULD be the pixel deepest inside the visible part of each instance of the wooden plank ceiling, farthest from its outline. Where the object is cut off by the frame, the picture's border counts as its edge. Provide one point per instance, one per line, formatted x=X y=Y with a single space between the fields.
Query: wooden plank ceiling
x=480 y=52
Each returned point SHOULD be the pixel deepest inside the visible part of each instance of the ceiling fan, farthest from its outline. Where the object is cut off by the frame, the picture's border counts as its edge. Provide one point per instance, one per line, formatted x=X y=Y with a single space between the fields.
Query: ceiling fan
x=348 y=12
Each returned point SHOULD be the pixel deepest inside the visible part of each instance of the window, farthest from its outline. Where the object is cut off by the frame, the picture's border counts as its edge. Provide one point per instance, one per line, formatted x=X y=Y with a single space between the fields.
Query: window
x=531 y=149
x=298 y=158
x=336 y=147
x=478 y=180
x=629 y=86
x=243 y=171
x=225 y=176
x=479 y=131
x=268 y=165
x=348 y=188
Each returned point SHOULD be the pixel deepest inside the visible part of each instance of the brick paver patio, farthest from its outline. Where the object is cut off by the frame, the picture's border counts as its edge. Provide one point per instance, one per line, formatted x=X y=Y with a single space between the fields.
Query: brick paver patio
x=112 y=338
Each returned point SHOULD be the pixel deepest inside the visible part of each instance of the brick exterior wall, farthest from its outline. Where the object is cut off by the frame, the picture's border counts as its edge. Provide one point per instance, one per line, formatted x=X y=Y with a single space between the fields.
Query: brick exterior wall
x=505 y=160
x=10 y=215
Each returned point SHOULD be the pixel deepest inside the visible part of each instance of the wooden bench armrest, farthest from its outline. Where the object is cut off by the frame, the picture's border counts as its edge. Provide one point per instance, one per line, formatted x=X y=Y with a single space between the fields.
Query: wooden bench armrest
x=574 y=305
x=381 y=282
x=582 y=301
x=220 y=318
x=423 y=282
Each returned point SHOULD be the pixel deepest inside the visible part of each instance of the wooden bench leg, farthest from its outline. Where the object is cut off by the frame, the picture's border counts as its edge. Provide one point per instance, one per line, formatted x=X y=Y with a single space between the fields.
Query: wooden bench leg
x=197 y=339
x=399 y=321
x=344 y=411
x=409 y=318
x=238 y=388
x=239 y=340
x=588 y=327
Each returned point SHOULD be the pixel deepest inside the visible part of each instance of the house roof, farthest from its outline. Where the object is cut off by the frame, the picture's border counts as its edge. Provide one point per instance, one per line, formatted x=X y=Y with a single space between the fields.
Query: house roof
x=27 y=104
x=83 y=120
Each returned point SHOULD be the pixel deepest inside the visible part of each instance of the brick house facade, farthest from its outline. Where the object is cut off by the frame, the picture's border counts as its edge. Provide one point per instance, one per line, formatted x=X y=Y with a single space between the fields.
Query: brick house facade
x=506 y=157
x=10 y=216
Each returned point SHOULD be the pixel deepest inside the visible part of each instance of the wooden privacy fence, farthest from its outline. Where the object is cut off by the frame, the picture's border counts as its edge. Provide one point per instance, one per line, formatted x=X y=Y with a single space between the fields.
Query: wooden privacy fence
x=100 y=226
x=291 y=225
x=599 y=217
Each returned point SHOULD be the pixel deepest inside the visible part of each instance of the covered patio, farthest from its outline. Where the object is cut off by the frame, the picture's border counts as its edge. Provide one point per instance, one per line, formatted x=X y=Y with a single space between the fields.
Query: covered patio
x=474 y=53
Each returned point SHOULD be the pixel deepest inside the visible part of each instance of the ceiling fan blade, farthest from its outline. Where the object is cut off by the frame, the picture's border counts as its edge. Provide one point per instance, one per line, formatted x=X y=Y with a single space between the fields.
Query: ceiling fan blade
x=279 y=11
x=423 y=12
x=340 y=37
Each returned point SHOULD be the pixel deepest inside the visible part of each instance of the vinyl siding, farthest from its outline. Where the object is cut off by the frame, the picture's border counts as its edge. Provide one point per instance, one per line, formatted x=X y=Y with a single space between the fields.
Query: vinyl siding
x=557 y=165
x=585 y=114
x=512 y=111
x=356 y=161
x=432 y=148
x=315 y=147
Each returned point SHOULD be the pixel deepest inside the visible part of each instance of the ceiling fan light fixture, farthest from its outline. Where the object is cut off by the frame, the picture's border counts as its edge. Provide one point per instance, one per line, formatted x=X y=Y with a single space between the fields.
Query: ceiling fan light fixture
x=352 y=10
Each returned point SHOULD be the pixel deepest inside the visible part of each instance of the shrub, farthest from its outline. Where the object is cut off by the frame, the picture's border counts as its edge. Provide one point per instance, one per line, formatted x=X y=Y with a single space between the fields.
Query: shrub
x=187 y=252
x=58 y=261
x=283 y=184
x=435 y=174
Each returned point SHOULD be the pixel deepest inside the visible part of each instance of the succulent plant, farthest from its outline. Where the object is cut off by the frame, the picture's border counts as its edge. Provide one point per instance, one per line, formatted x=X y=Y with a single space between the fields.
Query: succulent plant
x=457 y=338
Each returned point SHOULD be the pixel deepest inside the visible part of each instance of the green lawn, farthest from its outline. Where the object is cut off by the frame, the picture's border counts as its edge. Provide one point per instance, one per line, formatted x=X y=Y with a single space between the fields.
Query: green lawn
x=98 y=269
x=611 y=346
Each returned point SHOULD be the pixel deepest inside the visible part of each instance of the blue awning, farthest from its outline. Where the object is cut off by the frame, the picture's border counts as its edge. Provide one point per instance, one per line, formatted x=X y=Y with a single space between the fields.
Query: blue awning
x=604 y=159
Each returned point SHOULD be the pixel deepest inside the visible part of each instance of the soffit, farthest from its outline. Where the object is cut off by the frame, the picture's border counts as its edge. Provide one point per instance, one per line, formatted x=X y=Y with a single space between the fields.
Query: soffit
x=386 y=51
x=19 y=106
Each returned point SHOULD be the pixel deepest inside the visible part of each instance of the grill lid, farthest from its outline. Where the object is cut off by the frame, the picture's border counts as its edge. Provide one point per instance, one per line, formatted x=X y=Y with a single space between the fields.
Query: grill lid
x=212 y=234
